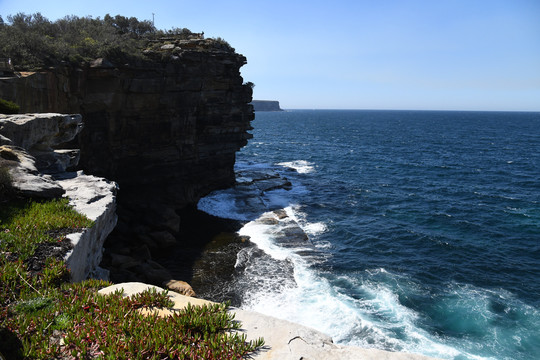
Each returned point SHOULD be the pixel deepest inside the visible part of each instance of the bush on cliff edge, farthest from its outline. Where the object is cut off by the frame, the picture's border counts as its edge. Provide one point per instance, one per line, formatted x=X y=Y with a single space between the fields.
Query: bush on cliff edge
x=34 y=42
x=8 y=107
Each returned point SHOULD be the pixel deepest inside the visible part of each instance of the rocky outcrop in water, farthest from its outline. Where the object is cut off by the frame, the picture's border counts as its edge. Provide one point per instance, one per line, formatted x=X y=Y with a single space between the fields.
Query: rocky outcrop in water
x=30 y=151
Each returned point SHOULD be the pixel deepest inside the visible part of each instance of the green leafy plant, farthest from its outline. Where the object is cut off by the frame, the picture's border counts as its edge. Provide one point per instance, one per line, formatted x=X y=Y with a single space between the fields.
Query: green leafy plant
x=43 y=316
x=8 y=107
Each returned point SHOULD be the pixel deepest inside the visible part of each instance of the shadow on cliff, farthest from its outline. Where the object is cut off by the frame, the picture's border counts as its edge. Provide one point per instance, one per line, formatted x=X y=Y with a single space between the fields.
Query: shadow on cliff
x=206 y=253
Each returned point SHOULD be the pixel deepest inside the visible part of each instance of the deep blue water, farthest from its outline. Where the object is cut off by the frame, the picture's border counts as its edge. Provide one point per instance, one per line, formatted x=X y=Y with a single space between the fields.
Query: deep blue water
x=428 y=224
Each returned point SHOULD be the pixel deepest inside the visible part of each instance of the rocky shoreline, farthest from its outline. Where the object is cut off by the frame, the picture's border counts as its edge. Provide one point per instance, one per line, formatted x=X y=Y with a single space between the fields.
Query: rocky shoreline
x=283 y=340
x=208 y=255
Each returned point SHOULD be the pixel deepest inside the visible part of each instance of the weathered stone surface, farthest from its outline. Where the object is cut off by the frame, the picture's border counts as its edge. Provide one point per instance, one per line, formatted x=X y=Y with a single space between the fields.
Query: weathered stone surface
x=40 y=131
x=29 y=150
x=180 y=287
x=26 y=179
x=96 y=198
x=5 y=141
x=283 y=340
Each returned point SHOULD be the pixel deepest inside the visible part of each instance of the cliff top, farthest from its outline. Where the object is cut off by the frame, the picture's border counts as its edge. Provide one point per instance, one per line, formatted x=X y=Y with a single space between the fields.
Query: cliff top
x=32 y=42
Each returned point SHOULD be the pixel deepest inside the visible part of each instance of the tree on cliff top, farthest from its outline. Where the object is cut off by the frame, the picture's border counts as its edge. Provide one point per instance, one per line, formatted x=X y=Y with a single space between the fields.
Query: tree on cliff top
x=33 y=42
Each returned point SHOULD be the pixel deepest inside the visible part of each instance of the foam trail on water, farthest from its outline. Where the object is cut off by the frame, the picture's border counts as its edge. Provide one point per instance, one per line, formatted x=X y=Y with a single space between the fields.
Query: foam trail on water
x=311 y=229
x=301 y=166
x=222 y=204
x=373 y=318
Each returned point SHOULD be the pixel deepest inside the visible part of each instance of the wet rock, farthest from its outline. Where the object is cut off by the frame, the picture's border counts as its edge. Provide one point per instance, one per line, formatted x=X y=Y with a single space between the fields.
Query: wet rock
x=281 y=214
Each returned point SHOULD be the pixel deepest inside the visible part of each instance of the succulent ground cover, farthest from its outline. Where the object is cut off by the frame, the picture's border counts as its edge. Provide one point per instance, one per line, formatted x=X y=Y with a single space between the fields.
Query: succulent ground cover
x=43 y=316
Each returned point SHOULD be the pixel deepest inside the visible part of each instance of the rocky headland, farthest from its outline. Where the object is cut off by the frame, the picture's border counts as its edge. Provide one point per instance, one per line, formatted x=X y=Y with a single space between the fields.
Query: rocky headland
x=165 y=129
x=266 y=105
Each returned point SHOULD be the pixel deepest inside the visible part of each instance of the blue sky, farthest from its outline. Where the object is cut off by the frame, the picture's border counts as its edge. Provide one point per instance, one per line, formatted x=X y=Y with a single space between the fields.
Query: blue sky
x=386 y=54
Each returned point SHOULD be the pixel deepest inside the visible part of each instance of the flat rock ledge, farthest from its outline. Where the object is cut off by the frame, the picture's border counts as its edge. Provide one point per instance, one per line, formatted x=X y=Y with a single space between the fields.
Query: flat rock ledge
x=284 y=340
x=94 y=197
x=30 y=151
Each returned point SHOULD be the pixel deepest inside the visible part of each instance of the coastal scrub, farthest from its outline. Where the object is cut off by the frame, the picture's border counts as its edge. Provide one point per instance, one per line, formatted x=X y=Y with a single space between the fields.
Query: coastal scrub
x=44 y=316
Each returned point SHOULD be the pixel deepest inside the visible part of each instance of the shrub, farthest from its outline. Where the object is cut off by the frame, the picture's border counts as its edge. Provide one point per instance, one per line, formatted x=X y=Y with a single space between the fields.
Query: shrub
x=43 y=316
x=34 y=42
x=8 y=107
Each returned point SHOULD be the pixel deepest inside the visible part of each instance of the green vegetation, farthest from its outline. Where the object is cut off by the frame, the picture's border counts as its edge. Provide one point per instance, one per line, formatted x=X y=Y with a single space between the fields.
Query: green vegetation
x=43 y=316
x=8 y=107
x=34 y=42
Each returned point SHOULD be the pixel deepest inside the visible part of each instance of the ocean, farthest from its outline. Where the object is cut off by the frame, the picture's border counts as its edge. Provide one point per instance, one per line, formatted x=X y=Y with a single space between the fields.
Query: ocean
x=423 y=229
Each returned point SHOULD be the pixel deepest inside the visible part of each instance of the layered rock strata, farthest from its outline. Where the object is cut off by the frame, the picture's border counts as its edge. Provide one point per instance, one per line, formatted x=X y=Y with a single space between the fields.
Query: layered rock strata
x=29 y=150
x=165 y=127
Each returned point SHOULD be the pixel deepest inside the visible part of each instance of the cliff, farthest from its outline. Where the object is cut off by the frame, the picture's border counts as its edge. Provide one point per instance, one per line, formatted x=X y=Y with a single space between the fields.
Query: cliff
x=165 y=127
x=266 y=105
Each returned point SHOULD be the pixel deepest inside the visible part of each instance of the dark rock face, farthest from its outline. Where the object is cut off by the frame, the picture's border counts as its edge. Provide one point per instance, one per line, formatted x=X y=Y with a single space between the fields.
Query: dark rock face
x=165 y=128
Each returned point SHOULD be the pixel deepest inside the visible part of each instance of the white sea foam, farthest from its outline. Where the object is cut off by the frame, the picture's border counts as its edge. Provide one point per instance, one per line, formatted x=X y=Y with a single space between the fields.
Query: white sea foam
x=222 y=204
x=311 y=229
x=372 y=320
x=300 y=166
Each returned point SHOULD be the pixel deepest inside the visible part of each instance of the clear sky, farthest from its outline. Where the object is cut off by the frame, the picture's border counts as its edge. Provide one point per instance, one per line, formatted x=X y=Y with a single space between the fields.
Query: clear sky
x=358 y=54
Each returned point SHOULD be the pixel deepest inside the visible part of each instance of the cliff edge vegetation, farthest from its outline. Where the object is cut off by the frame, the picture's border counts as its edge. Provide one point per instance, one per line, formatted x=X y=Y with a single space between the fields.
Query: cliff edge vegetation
x=44 y=316
x=34 y=42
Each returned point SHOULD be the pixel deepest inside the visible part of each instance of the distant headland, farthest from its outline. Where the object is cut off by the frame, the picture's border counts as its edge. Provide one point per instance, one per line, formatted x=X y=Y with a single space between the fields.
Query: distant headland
x=266 y=105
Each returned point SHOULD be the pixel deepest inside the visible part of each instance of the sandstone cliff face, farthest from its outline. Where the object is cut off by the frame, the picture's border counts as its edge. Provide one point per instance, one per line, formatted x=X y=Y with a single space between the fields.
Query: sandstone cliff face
x=165 y=128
